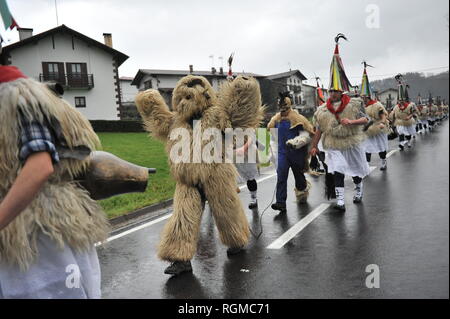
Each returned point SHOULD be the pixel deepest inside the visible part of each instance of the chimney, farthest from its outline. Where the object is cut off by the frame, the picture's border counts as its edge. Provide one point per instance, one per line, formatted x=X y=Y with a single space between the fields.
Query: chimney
x=213 y=70
x=108 y=39
x=191 y=68
x=221 y=70
x=25 y=33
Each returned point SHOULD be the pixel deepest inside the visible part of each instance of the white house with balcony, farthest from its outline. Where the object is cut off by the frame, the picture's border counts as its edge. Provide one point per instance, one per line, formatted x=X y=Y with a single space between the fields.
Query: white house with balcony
x=87 y=69
x=293 y=81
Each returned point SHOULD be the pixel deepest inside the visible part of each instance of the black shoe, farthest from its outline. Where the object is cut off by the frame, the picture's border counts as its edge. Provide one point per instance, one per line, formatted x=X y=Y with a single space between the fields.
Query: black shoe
x=234 y=250
x=401 y=147
x=253 y=205
x=383 y=168
x=280 y=207
x=340 y=208
x=178 y=267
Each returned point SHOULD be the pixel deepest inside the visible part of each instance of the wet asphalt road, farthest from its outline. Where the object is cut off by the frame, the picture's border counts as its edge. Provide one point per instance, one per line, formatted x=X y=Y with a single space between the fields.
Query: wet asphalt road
x=402 y=226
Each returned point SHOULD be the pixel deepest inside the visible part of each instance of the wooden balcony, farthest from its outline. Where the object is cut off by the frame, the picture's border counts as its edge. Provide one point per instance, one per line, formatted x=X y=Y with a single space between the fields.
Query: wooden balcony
x=70 y=81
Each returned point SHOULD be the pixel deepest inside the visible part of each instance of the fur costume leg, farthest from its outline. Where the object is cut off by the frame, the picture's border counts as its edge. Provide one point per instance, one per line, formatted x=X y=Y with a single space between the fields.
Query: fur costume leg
x=180 y=235
x=302 y=195
x=227 y=210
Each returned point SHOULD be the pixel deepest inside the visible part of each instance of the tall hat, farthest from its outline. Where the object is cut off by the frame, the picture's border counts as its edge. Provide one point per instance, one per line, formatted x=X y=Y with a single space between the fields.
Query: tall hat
x=438 y=100
x=402 y=94
x=419 y=100
x=338 y=79
x=230 y=63
x=430 y=98
x=320 y=96
x=366 y=89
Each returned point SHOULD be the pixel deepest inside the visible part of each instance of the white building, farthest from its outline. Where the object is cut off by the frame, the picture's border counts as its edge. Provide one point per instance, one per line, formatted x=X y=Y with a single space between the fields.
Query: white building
x=87 y=69
x=293 y=81
x=166 y=80
x=387 y=97
x=127 y=91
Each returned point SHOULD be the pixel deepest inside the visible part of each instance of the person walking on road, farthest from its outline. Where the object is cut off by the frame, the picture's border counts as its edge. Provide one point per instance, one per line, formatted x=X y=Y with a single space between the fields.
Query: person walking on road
x=340 y=126
x=294 y=133
x=378 y=129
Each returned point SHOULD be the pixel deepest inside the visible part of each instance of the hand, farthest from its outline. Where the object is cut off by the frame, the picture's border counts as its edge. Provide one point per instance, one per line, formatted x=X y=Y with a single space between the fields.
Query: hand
x=382 y=126
x=313 y=151
x=346 y=122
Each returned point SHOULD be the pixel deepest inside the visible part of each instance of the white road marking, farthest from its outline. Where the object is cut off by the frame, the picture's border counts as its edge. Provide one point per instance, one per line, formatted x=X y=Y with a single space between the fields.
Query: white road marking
x=160 y=219
x=259 y=180
x=294 y=230
x=132 y=230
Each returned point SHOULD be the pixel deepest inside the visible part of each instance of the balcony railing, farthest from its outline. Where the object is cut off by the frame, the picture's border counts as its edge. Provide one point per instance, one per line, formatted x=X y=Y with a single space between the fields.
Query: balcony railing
x=70 y=81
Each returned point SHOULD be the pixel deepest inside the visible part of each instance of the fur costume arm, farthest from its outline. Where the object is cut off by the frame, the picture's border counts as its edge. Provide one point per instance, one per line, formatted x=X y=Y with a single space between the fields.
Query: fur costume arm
x=240 y=100
x=155 y=113
x=303 y=139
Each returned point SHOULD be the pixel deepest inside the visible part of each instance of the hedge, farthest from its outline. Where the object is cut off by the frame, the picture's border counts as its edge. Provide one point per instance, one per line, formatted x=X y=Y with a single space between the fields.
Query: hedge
x=117 y=126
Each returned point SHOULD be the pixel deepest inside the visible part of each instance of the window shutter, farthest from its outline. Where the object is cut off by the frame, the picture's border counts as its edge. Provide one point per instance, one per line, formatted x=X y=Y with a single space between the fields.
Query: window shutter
x=45 y=70
x=69 y=74
x=69 y=68
x=61 y=75
x=84 y=76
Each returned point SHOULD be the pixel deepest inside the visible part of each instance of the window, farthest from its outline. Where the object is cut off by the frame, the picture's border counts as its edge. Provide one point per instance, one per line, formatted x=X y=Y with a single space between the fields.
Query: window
x=53 y=72
x=80 y=101
x=77 y=74
x=147 y=84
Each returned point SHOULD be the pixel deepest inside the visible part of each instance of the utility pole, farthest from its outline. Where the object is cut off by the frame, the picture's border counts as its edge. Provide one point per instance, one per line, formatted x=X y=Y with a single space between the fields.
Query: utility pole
x=56 y=10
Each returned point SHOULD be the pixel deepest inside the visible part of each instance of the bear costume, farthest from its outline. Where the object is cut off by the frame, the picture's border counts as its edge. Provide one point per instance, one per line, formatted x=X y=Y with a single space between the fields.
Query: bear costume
x=237 y=105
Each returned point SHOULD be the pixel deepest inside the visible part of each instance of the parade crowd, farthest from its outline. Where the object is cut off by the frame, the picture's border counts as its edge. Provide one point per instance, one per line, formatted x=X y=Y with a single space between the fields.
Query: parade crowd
x=50 y=221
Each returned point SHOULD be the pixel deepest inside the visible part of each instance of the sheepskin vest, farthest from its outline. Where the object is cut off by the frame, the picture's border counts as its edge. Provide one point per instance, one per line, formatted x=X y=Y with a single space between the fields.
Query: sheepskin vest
x=62 y=210
x=423 y=112
x=401 y=115
x=374 y=111
x=335 y=135
x=433 y=110
x=294 y=118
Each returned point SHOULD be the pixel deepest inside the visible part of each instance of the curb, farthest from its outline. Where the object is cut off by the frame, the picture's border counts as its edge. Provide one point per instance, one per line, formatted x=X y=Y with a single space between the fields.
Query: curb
x=127 y=218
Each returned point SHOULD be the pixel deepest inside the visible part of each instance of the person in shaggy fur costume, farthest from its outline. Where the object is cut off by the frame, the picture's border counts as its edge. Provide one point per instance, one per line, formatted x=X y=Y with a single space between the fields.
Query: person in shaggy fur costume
x=48 y=224
x=339 y=124
x=196 y=109
x=294 y=134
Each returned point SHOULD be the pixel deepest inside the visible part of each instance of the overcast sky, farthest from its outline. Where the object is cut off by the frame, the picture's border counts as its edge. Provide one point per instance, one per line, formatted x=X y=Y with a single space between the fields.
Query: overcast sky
x=266 y=36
